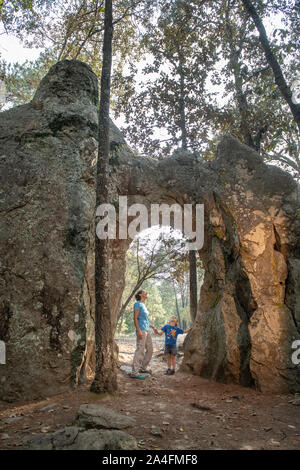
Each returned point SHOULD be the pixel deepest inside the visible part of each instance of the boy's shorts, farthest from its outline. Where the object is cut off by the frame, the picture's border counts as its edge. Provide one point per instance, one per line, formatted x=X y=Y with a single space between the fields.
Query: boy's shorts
x=170 y=349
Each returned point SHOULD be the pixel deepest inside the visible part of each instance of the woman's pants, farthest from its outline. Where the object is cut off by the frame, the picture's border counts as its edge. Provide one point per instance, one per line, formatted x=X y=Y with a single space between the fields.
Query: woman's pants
x=141 y=357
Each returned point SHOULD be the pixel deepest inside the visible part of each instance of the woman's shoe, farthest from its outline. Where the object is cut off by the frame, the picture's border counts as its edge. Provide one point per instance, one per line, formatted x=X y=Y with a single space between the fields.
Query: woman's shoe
x=139 y=376
x=145 y=371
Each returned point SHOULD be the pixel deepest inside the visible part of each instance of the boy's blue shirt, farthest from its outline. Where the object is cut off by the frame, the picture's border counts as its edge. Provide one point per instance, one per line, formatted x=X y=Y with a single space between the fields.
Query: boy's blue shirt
x=171 y=333
x=142 y=318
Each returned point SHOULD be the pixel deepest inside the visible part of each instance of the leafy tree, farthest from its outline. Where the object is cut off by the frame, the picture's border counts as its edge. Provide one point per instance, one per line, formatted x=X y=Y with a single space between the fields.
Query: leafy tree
x=9 y=10
x=71 y=29
x=258 y=115
x=172 y=99
x=22 y=79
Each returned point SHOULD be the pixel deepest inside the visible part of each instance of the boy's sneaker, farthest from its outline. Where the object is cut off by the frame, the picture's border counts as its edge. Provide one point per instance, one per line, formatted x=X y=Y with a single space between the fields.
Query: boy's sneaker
x=172 y=372
x=168 y=372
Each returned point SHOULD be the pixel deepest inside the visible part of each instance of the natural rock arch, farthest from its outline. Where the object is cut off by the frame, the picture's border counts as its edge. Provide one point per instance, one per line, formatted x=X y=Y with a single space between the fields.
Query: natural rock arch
x=248 y=314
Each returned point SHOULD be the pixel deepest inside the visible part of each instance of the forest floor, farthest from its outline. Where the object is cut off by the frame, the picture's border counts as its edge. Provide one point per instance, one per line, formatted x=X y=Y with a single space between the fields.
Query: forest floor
x=178 y=412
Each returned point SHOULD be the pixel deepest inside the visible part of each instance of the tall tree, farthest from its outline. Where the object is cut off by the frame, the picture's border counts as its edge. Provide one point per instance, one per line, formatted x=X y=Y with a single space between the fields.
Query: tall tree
x=170 y=107
x=106 y=369
x=272 y=60
x=254 y=110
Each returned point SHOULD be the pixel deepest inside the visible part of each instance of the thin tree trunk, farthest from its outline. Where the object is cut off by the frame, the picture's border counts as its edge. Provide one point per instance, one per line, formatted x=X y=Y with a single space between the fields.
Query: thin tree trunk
x=193 y=285
x=176 y=303
x=273 y=62
x=182 y=108
x=123 y=308
x=238 y=82
x=192 y=253
x=106 y=369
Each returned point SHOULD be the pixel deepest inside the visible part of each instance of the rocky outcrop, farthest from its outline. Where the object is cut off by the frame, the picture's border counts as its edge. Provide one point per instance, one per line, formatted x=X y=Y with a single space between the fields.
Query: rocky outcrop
x=246 y=322
x=249 y=311
x=47 y=213
x=105 y=435
x=74 y=438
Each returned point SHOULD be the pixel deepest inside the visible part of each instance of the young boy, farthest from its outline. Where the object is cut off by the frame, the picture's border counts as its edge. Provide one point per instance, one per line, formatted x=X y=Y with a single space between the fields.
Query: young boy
x=171 y=331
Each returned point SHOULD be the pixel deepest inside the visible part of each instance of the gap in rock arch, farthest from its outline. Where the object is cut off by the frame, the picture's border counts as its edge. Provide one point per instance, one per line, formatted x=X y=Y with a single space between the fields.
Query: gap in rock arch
x=162 y=269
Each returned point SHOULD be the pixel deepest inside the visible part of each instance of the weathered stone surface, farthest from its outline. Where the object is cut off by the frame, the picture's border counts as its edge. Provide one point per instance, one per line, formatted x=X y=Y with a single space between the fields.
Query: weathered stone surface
x=249 y=310
x=76 y=438
x=47 y=208
x=97 y=416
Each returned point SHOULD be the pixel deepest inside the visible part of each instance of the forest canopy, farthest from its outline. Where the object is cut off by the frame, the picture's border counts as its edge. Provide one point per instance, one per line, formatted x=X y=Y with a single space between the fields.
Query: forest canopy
x=184 y=72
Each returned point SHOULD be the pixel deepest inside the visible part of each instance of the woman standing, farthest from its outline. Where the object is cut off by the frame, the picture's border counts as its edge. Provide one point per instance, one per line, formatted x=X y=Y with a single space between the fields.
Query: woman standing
x=144 y=348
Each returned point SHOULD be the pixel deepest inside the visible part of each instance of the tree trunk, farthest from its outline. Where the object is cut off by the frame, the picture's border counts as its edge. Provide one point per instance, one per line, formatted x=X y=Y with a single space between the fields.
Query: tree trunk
x=123 y=308
x=182 y=108
x=106 y=369
x=238 y=83
x=192 y=253
x=273 y=62
x=177 y=308
x=193 y=285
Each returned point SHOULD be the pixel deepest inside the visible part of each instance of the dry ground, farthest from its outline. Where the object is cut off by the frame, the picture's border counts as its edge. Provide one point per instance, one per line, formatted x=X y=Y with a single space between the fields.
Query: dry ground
x=172 y=412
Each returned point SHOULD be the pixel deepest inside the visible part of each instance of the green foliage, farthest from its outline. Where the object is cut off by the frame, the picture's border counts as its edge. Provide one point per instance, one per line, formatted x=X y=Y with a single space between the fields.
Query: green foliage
x=185 y=72
x=172 y=100
x=66 y=29
x=213 y=45
x=22 y=79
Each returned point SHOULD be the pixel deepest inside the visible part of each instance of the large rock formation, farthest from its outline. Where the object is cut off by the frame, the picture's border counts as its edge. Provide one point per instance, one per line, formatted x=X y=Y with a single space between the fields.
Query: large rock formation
x=249 y=311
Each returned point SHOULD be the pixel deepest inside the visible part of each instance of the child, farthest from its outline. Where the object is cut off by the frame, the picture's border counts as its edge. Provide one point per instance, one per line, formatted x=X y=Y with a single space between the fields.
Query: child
x=171 y=331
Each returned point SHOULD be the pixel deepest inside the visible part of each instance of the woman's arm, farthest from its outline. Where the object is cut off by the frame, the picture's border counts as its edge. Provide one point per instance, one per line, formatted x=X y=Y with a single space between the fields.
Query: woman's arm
x=135 y=319
x=156 y=330
x=159 y=333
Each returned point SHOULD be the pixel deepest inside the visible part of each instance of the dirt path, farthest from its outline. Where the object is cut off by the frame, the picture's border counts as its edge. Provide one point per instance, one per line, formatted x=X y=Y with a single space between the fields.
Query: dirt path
x=172 y=412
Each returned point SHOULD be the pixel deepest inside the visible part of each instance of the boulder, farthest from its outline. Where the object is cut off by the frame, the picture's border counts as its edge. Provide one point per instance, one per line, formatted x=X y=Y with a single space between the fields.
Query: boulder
x=76 y=438
x=97 y=416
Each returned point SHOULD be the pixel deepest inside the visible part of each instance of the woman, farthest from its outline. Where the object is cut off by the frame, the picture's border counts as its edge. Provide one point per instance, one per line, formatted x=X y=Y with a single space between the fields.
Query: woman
x=144 y=348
